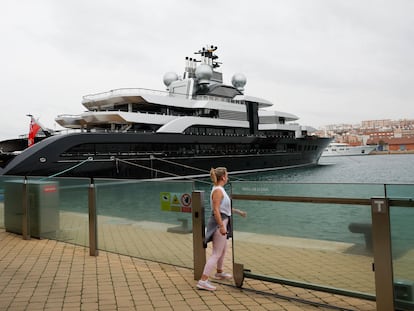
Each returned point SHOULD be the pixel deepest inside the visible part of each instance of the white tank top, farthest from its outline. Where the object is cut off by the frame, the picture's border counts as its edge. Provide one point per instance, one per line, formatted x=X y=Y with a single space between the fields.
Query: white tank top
x=225 y=204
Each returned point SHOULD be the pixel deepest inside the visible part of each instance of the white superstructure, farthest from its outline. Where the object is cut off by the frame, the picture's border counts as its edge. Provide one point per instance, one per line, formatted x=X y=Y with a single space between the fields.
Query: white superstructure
x=197 y=100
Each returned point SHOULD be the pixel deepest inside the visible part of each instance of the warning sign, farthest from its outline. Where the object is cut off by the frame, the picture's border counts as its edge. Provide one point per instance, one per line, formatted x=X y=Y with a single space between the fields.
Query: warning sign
x=186 y=203
x=165 y=201
x=175 y=205
x=175 y=202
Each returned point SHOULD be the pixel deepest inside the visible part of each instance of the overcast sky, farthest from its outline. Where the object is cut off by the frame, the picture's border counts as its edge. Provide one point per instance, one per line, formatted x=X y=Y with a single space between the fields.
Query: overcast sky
x=326 y=61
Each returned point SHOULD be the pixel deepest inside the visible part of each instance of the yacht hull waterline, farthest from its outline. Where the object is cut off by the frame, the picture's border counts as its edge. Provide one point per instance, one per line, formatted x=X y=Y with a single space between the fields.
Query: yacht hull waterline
x=198 y=123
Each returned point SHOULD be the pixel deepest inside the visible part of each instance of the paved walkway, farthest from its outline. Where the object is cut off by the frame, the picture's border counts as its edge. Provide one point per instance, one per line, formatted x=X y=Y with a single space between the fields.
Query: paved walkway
x=50 y=275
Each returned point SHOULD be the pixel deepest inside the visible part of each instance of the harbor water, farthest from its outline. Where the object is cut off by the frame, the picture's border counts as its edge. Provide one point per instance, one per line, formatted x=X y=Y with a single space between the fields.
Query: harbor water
x=384 y=169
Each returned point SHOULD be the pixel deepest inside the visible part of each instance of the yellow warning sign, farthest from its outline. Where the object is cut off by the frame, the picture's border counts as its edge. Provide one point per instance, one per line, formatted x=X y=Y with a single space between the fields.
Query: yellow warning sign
x=175 y=205
x=175 y=202
x=165 y=198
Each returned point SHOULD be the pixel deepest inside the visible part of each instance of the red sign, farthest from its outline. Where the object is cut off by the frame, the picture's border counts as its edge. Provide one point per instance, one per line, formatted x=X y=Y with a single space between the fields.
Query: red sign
x=186 y=203
x=49 y=188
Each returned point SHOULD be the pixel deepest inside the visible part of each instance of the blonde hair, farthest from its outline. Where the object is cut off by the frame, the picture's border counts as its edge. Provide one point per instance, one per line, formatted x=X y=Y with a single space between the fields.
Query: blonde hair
x=217 y=174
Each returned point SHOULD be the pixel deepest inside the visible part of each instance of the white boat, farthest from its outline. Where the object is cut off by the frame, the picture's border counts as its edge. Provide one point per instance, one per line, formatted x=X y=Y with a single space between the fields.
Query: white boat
x=343 y=149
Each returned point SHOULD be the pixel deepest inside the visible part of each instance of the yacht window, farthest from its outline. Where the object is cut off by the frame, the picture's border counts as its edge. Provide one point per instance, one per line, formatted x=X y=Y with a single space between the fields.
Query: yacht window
x=121 y=107
x=223 y=91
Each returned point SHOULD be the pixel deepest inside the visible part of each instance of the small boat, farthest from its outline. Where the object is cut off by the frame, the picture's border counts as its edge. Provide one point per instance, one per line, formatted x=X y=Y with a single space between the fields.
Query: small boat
x=199 y=122
x=10 y=148
x=343 y=149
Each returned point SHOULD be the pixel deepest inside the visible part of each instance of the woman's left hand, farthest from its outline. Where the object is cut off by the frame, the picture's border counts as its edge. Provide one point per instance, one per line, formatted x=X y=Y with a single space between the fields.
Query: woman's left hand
x=239 y=212
x=223 y=230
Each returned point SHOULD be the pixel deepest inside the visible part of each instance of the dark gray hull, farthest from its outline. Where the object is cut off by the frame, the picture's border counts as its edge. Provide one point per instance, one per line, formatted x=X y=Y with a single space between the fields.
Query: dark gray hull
x=149 y=155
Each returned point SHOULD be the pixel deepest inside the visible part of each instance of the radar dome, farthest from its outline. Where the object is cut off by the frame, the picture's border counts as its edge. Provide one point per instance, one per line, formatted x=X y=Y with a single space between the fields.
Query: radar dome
x=203 y=73
x=239 y=81
x=169 y=78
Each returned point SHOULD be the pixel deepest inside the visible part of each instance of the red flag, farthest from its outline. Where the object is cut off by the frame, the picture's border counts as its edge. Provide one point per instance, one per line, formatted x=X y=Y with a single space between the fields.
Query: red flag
x=34 y=128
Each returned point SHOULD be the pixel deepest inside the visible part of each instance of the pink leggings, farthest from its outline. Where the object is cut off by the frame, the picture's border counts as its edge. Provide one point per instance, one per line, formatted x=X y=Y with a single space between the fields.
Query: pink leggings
x=219 y=251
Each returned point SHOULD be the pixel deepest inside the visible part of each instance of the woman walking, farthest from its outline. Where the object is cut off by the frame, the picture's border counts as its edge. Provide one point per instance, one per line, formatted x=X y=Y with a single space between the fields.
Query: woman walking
x=218 y=228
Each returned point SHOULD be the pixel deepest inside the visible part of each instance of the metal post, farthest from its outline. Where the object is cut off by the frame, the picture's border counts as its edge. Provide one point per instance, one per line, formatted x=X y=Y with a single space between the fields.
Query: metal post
x=199 y=251
x=26 y=215
x=93 y=236
x=381 y=236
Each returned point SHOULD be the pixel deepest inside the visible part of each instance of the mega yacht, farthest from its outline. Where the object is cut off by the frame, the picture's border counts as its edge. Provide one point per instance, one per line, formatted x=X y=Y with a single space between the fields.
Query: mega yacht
x=197 y=123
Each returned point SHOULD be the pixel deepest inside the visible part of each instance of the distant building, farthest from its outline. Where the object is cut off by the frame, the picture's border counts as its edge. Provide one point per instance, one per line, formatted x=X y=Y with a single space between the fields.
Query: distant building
x=393 y=144
x=374 y=124
x=377 y=135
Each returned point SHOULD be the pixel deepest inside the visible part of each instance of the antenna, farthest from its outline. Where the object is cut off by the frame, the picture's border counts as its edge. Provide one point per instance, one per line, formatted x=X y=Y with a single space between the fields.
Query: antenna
x=208 y=57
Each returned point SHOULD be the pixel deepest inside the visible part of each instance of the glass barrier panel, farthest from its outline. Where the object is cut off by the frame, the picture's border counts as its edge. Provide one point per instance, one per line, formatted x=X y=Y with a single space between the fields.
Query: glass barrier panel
x=59 y=209
x=327 y=245
x=10 y=209
x=397 y=191
x=146 y=219
x=356 y=191
x=402 y=241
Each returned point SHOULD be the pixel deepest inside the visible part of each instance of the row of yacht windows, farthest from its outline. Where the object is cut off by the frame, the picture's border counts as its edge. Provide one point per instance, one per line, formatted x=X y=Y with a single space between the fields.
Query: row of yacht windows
x=196 y=130
x=200 y=130
x=164 y=110
x=166 y=149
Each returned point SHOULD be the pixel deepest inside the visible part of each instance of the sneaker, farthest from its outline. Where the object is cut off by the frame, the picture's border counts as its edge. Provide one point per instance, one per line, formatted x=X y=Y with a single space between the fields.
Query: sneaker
x=205 y=285
x=222 y=276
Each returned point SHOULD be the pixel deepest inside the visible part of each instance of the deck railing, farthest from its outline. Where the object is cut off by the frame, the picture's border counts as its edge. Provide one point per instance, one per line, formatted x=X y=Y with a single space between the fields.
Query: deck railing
x=141 y=91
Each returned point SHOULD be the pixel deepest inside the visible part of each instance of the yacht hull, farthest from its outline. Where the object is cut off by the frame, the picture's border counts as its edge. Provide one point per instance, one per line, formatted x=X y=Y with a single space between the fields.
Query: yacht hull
x=150 y=155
